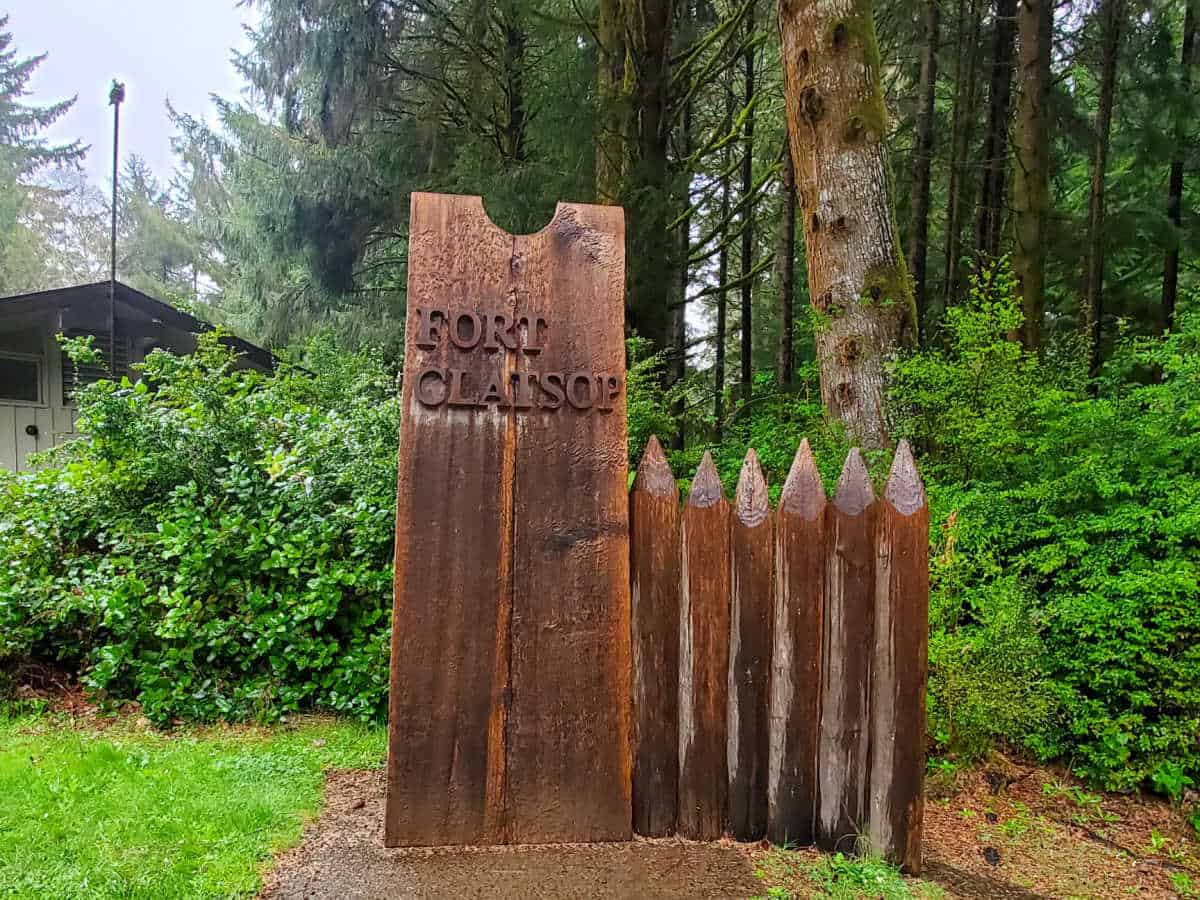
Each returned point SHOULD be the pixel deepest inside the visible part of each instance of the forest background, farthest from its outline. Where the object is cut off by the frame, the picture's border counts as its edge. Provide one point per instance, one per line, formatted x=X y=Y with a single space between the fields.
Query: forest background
x=219 y=547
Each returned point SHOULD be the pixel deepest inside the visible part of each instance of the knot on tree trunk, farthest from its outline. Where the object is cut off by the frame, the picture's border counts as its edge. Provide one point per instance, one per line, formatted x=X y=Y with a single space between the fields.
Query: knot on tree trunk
x=812 y=107
x=840 y=37
x=844 y=395
x=848 y=351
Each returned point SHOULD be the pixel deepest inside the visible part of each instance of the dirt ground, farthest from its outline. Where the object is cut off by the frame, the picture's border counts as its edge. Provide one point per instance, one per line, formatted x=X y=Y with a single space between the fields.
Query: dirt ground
x=1011 y=830
x=342 y=856
x=997 y=831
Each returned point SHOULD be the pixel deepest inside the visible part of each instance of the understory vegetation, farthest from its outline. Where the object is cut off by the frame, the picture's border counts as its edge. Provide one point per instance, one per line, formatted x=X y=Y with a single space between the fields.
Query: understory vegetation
x=219 y=547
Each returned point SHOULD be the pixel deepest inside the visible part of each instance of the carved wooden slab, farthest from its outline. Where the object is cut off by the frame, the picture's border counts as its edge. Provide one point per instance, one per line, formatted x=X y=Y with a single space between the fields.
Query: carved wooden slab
x=509 y=711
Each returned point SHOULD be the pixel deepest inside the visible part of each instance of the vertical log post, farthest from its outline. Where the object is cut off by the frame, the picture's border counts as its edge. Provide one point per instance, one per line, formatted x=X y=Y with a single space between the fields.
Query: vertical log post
x=796 y=665
x=900 y=666
x=751 y=593
x=568 y=770
x=509 y=710
x=654 y=539
x=703 y=657
x=846 y=676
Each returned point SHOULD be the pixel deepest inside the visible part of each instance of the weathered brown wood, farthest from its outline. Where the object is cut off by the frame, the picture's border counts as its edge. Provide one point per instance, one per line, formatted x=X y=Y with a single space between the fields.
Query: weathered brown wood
x=796 y=660
x=751 y=590
x=654 y=552
x=445 y=752
x=845 y=679
x=509 y=709
x=568 y=729
x=900 y=667
x=703 y=657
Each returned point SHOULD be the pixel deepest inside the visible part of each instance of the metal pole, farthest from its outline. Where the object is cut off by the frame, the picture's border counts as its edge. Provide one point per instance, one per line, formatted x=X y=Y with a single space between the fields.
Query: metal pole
x=116 y=96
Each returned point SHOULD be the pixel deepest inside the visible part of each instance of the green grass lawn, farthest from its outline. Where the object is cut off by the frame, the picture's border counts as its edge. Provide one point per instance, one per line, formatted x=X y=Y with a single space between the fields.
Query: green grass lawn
x=125 y=812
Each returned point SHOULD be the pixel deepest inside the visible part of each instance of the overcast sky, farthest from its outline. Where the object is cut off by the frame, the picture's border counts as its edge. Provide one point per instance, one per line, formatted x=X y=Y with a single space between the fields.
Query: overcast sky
x=160 y=48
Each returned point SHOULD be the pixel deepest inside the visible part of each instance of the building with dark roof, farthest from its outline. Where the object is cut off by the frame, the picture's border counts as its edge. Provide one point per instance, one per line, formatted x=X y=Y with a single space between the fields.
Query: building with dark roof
x=37 y=379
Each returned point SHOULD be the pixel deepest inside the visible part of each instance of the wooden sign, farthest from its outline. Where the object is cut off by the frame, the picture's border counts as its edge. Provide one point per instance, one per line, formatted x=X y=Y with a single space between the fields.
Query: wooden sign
x=509 y=715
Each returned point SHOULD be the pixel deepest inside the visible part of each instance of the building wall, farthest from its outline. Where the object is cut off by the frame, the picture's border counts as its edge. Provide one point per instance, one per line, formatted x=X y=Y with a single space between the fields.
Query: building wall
x=53 y=419
x=29 y=332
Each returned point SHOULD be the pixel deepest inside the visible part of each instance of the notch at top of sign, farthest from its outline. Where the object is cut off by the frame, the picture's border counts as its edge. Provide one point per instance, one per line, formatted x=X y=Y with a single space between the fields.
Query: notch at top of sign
x=567 y=217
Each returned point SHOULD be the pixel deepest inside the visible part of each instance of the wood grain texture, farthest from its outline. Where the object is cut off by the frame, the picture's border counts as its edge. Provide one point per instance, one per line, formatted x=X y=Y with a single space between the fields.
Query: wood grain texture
x=846 y=676
x=796 y=659
x=509 y=707
x=703 y=657
x=751 y=595
x=453 y=572
x=654 y=555
x=900 y=667
x=569 y=720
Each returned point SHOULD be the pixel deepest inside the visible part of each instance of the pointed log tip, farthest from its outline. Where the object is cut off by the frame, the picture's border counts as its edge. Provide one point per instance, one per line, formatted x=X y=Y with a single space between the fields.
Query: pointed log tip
x=803 y=494
x=753 y=505
x=654 y=475
x=706 y=486
x=854 y=491
x=905 y=490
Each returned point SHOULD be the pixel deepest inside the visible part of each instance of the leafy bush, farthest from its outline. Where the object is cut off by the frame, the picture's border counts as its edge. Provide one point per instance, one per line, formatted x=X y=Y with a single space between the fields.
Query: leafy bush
x=219 y=546
x=1068 y=619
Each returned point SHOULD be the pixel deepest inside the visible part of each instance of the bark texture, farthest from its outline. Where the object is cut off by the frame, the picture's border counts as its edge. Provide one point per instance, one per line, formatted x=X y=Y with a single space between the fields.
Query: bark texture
x=785 y=259
x=1111 y=13
x=1031 y=140
x=631 y=153
x=722 y=278
x=990 y=223
x=1170 y=285
x=857 y=276
x=747 y=302
x=962 y=129
x=610 y=141
x=918 y=244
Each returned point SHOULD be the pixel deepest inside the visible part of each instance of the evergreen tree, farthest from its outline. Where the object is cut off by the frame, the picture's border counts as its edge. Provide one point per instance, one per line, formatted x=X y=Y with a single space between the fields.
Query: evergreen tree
x=24 y=153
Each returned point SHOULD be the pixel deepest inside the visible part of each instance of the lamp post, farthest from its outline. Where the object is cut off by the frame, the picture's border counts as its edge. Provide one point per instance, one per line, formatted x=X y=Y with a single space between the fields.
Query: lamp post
x=116 y=96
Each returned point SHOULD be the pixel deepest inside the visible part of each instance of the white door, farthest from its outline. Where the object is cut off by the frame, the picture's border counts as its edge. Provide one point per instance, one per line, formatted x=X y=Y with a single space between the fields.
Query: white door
x=25 y=422
x=29 y=435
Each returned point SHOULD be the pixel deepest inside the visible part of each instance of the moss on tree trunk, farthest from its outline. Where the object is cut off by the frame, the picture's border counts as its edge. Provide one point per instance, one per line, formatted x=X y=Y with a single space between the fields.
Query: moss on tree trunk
x=857 y=276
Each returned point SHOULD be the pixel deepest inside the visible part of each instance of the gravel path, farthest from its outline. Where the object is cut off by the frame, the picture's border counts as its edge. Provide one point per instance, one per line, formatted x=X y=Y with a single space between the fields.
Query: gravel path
x=343 y=857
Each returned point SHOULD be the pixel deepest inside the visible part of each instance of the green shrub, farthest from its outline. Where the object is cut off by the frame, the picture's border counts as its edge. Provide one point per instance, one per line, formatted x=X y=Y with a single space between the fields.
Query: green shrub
x=219 y=545
x=1070 y=621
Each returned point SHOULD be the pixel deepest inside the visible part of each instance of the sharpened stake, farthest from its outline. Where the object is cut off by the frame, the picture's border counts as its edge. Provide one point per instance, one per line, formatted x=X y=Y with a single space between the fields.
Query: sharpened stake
x=752 y=589
x=795 y=704
x=654 y=568
x=703 y=657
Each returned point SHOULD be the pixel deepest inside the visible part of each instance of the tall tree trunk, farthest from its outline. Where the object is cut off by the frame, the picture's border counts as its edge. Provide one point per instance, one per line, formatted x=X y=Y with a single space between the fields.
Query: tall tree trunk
x=747 y=303
x=612 y=135
x=1031 y=184
x=785 y=259
x=918 y=241
x=632 y=151
x=995 y=149
x=857 y=277
x=962 y=130
x=679 y=325
x=1111 y=14
x=513 y=61
x=1170 y=285
x=722 y=273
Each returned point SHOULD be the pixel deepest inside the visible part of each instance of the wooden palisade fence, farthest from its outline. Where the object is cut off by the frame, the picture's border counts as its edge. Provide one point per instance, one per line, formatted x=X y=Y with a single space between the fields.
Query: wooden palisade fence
x=779 y=657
